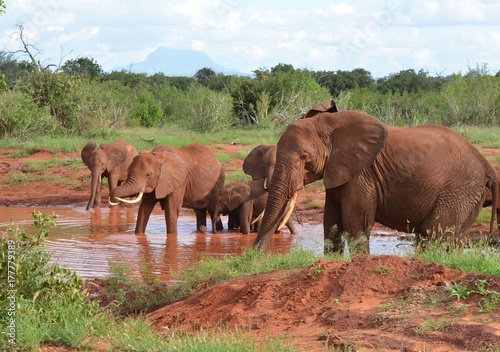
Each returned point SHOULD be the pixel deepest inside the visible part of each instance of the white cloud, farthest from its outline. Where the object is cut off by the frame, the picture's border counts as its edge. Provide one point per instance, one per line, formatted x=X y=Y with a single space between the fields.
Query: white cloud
x=378 y=36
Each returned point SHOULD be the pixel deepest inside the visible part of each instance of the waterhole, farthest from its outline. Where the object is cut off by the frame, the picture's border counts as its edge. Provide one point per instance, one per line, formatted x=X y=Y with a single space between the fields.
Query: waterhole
x=92 y=242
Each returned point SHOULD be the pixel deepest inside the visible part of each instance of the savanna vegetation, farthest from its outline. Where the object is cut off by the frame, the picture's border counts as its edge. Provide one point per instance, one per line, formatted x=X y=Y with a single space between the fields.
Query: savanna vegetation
x=78 y=98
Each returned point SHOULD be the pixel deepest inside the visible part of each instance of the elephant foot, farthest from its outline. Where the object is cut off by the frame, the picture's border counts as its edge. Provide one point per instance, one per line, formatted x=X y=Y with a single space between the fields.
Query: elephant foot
x=202 y=228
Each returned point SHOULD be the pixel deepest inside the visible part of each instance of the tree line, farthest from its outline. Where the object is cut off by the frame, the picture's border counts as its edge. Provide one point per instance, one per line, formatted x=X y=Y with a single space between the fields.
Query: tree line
x=78 y=97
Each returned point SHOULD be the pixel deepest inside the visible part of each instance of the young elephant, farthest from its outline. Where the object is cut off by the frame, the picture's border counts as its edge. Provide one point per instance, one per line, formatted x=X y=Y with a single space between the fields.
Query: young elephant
x=175 y=177
x=109 y=160
x=488 y=201
x=244 y=201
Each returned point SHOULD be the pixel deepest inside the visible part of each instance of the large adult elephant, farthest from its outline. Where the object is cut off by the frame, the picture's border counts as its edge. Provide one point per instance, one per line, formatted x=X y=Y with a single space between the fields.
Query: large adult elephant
x=110 y=160
x=245 y=200
x=187 y=177
x=419 y=179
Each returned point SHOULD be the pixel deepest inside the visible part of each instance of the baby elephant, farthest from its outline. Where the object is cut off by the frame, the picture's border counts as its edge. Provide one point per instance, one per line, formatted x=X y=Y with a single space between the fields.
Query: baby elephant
x=244 y=201
x=488 y=201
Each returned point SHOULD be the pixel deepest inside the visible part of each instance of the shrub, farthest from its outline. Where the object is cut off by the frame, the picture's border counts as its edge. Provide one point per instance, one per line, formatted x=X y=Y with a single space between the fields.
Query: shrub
x=473 y=100
x=146 y=110
x=37 y=294
x=209 y=111
x=21 y=118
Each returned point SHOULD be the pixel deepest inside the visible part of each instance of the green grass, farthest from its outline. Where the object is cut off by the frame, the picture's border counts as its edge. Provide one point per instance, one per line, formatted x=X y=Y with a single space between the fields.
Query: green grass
x=479 y=259
x=488 y=137
x=22 y=178
x=483 y=218
x=33 y=166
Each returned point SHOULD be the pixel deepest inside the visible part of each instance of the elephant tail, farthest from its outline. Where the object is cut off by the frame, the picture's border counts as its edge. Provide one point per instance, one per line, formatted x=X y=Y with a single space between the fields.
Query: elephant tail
x=494 y=195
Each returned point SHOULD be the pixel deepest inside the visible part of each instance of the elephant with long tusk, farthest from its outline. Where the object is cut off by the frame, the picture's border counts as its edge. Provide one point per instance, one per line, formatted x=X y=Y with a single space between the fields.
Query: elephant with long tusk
x=175 y=177
x=426 y=179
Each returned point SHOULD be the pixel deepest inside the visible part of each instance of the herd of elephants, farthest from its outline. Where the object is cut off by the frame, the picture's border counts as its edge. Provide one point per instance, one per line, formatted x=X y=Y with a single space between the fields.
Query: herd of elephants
x=428 y=180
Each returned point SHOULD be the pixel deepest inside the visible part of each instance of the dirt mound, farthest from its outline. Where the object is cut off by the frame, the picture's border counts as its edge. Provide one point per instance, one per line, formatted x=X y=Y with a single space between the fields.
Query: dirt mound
x=373 y=303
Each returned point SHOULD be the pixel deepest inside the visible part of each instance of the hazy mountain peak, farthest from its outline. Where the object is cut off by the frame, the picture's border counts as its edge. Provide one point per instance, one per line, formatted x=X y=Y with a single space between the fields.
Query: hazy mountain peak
x=175 y=62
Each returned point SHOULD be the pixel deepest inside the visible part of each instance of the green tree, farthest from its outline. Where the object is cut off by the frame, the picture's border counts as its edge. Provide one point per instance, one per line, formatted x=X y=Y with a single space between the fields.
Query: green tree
x=82 y=67
x=283 y=95
x=204 y=76
x=409 y=81
x=12 y=69
x=339 y=81
x=128 y=79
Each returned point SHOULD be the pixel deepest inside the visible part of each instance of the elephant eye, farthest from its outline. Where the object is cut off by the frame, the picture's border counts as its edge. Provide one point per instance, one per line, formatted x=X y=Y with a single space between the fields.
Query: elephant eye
x=149 y=174
x=304 y=156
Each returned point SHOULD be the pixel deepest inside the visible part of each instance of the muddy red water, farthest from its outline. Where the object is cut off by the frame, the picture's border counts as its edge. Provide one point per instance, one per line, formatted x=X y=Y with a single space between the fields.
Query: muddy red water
x=91 y=242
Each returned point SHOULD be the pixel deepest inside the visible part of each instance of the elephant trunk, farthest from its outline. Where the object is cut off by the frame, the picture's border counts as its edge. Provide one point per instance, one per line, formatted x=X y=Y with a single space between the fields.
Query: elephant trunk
x=282 y=189
x=130 y=187
x=95 y=182
x=216 y=218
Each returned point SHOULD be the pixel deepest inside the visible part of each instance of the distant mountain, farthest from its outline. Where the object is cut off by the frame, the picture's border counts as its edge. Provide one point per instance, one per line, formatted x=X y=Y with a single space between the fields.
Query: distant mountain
x=176 y=62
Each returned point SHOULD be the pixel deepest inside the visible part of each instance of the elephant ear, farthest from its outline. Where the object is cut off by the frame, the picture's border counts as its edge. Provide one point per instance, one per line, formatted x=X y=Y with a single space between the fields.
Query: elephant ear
x=253 y=164
x=356 y=140
x=116 y=155
x=238 y=196
x=326 y=106
x=87 y=152
x=173 y=173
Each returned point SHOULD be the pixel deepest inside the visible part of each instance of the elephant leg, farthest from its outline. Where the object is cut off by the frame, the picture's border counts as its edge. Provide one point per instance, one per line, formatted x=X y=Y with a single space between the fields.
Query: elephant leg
x=172 y=205
x=145 y=208
x=201 y=219
x=233 y=221
x=246 y=211
x=97 y=200
x=498 y=219
x=291 y=227
x=332 y=223
x=218 y=225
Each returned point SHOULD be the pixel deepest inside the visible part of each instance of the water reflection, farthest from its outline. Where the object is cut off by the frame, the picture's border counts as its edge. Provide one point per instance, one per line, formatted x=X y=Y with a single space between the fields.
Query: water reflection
x=90 y=242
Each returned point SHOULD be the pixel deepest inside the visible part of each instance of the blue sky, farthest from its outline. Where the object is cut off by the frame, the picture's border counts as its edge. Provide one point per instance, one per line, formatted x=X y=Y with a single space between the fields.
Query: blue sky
x=383 y=37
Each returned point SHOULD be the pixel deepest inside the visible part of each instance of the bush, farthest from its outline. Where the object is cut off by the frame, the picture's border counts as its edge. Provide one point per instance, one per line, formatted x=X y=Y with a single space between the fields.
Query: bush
x=208 y=111
x=146 y=110
x=472 y=100
x=36 y=293
x=21 y=118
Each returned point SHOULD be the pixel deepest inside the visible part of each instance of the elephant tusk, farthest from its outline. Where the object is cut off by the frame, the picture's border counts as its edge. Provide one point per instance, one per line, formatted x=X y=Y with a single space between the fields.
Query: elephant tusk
x=265 y=182
x=112 y=203
x=289 y=210
x=131 y=201
x=258 y=218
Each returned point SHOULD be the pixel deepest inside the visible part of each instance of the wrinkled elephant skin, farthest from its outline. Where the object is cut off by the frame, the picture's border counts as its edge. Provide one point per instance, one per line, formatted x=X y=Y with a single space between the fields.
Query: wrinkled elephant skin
x=423 y=179
x=175 y=177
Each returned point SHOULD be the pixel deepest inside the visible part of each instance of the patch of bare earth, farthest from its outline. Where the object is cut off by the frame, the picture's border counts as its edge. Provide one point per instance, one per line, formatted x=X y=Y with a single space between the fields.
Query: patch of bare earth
x=374 y=303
